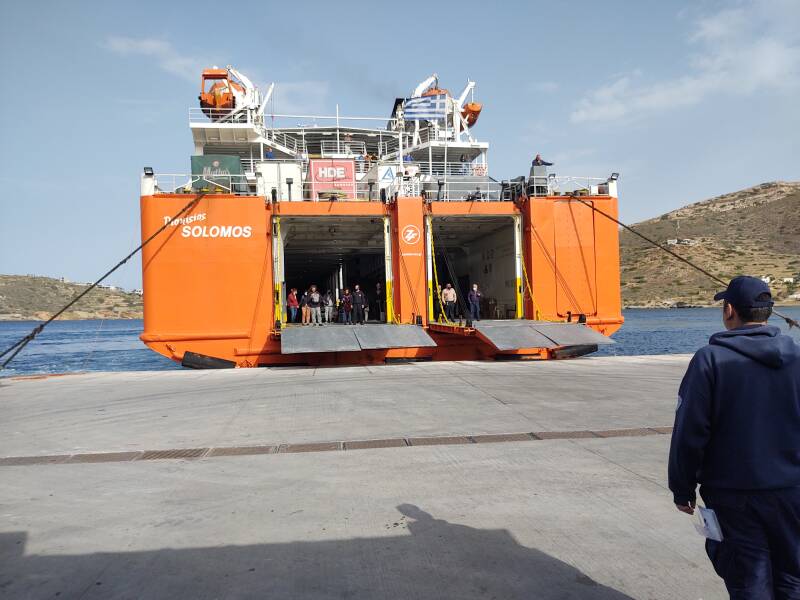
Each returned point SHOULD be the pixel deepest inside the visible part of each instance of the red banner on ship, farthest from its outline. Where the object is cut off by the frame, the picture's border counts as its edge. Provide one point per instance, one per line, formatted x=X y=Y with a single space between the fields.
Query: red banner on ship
x=332 y=178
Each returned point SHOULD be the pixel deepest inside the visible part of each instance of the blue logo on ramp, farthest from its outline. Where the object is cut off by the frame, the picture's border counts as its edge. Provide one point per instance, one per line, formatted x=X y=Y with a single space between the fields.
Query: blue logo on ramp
x=388 y=175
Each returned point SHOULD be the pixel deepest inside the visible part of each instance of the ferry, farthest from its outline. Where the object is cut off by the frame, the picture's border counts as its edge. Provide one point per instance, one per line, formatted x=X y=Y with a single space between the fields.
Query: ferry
x=401 y=205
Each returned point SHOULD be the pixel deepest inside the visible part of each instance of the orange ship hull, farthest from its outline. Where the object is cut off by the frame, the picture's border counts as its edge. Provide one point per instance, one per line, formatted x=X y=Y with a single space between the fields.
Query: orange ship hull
x=213 y=284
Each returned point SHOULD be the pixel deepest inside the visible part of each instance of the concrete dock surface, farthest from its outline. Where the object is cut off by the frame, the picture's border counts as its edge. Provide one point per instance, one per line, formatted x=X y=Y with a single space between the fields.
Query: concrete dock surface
x=424 y=480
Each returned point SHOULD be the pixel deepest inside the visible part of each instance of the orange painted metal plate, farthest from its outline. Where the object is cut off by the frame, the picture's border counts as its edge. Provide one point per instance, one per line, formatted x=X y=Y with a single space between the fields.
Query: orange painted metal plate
x=576 y=276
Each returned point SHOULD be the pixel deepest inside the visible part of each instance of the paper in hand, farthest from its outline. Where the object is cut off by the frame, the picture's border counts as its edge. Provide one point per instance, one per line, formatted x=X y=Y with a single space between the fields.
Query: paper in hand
x=707 y=524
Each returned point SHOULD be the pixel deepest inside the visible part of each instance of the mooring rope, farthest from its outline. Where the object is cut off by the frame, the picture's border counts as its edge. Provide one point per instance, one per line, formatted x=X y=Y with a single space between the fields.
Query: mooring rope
x=789 y=321
x=17 y=347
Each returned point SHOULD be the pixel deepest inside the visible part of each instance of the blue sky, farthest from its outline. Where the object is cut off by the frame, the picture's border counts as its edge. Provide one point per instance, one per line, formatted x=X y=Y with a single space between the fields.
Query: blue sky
x=685 y=100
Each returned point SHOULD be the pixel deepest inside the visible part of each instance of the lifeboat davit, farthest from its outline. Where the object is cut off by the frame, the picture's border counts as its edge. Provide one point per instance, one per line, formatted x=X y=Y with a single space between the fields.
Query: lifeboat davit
x=217 y=93
x=471 y=111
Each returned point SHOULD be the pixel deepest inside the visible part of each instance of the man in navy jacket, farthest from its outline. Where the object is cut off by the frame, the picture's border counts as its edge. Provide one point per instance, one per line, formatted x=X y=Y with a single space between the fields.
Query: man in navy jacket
x=737 y=434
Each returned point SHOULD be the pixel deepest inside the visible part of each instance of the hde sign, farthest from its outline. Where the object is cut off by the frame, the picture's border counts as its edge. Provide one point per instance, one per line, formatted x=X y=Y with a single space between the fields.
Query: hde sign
x=334 y=177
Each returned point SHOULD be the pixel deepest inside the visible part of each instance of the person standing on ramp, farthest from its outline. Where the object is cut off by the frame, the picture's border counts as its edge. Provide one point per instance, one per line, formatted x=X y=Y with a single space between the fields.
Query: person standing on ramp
x=449 y=298
x=359 y=303
x=737 y=434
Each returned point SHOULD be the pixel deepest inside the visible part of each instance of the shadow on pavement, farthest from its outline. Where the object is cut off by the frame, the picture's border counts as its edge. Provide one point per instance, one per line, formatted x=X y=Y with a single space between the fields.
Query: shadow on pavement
x=426 y=558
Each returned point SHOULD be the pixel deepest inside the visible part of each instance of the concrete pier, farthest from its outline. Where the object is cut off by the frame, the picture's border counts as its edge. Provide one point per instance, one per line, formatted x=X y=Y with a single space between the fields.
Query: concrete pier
x=425 y=480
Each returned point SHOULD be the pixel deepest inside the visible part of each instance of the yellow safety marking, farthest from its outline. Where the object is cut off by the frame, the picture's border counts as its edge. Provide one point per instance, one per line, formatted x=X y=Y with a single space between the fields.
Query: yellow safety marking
x=430 y=300
x=432 y=258
x=390 y=315
x=442 y=314
x=388 y=265
x=280 y=310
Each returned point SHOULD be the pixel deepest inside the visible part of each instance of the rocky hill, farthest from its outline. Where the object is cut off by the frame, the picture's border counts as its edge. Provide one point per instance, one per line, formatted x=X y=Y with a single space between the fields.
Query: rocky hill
x=27 y=297
x=755 y=231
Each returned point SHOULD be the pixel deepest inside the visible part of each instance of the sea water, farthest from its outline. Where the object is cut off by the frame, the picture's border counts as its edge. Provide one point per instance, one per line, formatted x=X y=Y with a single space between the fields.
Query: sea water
x=70 y=346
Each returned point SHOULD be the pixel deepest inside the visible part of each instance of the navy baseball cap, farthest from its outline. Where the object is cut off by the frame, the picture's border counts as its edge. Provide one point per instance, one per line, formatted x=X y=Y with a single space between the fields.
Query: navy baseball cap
x=744 y=290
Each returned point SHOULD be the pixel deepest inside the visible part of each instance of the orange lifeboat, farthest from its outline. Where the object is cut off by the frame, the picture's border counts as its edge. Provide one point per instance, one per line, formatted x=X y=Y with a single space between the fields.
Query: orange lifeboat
x=216 y=92
x=471 y=111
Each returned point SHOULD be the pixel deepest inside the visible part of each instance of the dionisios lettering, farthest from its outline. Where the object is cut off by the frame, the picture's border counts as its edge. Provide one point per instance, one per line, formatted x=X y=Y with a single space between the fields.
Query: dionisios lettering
x=183 y=220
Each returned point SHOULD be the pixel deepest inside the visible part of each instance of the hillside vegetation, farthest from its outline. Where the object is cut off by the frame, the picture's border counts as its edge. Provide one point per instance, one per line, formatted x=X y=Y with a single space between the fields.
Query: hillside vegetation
x=26 y=297
x=755 y=231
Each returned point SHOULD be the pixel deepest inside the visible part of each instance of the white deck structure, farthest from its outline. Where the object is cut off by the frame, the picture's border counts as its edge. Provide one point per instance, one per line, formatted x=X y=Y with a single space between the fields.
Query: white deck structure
x=438 y=158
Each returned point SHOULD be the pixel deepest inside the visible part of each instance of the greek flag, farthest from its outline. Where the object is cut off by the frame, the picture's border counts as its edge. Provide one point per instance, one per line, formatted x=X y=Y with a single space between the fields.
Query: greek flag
x=425 y=108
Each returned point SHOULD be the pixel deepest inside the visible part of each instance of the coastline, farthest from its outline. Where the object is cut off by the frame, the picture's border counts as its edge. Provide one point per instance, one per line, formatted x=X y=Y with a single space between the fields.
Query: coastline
x=684 y=307
x=133 y=316
x=83 y=316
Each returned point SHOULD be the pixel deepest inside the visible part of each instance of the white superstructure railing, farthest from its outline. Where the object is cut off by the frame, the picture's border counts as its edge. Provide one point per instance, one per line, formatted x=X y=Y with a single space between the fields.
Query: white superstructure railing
x=457 y=190
x=249 y=164
x=344 y=147
x=182 y=183
x=440 y=168
x=281 y=139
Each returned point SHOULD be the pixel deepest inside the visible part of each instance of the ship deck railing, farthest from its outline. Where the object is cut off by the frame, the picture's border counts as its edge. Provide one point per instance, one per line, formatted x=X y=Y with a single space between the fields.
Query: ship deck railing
x=431 y=134
x=363 y=164
x=342 y=135
x=183 y=183
x=343 y=147
x=456 y=189
x=438 y=168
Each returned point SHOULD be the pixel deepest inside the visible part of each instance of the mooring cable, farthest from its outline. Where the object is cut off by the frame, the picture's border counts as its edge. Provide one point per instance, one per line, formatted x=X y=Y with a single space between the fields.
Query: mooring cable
x=789 y=321
x=17 y=347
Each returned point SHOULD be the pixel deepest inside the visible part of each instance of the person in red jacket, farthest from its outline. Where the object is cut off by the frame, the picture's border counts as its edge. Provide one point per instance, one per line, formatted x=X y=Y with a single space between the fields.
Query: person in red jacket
x=347 y=306
x=292 y=304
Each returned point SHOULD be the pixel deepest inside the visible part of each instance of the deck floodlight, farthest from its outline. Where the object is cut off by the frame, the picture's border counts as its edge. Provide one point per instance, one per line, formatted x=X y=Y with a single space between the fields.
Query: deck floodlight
x=440 y=183
x=614 y=177
x=148 y=171
x=551 y=176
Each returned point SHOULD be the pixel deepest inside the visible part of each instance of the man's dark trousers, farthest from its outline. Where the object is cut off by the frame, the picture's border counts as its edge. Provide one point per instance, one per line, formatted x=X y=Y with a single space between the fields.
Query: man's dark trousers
x=759 y=556
x=474 y=310
x=450 y=310
x=358 y=313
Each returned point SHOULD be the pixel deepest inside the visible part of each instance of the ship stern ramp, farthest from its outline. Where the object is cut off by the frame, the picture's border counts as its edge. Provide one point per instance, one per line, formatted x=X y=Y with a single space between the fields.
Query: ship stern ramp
x=515 y=334
x=353 y=338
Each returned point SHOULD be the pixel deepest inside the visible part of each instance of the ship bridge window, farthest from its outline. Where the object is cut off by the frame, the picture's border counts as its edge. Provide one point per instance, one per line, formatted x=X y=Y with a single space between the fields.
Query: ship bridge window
x=335 y=253
x=482 y=250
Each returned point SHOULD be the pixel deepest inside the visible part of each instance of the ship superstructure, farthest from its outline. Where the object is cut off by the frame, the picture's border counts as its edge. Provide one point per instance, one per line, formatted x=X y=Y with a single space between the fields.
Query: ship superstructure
x=401 y=205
